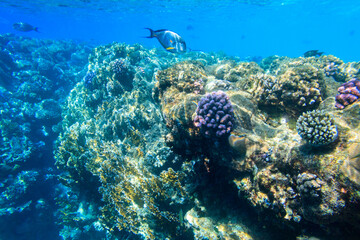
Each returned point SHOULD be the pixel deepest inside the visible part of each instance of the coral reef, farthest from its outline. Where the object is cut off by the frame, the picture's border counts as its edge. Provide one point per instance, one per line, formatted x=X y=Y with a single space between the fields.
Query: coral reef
x=317 y=128
x=121 y=136
x=268 y=90
x=349 y=93
x=89 y=79
x=332 y=67
x=123 y=72
x=242 y=71
x=7 y=67
x=36 y=76
x=204 y=228
x=299 y=88
x=215 y=115
x=309 y=185
x=160 y=146
x=188 y=77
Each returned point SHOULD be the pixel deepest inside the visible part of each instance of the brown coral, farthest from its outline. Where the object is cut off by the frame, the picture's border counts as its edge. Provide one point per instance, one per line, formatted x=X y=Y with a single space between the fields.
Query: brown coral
x=188 y=77
x=296 y=90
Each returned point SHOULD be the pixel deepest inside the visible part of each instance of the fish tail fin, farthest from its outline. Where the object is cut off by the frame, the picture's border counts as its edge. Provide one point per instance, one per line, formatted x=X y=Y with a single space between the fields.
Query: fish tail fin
x=152 y=33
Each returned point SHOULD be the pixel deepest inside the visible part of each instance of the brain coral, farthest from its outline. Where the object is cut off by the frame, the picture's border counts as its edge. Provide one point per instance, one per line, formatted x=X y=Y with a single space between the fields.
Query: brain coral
x=317 y=128
x=215 y=115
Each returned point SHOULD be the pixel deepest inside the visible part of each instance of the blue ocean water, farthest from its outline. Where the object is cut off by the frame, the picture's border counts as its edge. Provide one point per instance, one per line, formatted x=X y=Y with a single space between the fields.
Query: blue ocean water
x=237 y=27
x=37 y=73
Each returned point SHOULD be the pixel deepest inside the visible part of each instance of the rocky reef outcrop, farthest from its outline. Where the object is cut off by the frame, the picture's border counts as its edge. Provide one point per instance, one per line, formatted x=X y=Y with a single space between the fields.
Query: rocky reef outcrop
x=143 y=140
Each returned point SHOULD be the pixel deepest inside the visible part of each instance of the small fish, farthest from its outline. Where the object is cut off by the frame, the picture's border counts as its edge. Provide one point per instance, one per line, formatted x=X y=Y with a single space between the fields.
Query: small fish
x=313 y=53
x=24 y=27
x=171 y=41
x=189 y=27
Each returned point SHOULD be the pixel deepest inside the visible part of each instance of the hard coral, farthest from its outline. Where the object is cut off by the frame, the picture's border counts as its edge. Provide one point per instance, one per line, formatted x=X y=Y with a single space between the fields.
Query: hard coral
x=118 y=66
x=309 y=185
x=215 y=115
x=242 y=71
x=349 y=92
x=268 y=90
x=317 y=128
x=302 y=88
x=188 y=77
x=295 y=88
x=331 y=69
x=89 y=79
x=123 y=76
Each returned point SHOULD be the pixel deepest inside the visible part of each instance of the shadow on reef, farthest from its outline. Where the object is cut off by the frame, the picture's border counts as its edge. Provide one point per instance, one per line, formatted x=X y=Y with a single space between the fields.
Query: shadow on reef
x=201 y=146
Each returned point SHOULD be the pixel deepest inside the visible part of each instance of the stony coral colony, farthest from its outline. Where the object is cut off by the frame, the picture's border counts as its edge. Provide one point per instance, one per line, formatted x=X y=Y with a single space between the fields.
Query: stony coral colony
x=164 y=138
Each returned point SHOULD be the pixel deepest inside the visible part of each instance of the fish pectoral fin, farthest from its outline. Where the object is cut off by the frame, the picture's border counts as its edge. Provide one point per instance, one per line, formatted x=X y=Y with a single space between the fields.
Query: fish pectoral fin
x=169 y=48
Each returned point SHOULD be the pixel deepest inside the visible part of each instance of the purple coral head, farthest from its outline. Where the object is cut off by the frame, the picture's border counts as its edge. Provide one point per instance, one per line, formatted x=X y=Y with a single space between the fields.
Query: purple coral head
x=119 y=66
x=215 y=115
x=89 y=79
x=349 y=93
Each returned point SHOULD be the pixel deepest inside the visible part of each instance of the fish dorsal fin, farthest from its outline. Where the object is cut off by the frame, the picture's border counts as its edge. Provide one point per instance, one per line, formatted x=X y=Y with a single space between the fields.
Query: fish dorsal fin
x=161 y=30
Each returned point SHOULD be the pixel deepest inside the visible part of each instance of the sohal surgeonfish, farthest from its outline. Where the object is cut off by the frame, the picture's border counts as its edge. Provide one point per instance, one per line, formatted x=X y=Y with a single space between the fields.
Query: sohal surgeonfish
x=171 y=41
x=24 y=27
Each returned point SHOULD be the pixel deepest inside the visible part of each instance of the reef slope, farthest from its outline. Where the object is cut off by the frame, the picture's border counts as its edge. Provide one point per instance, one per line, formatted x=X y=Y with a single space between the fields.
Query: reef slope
x=132 y=143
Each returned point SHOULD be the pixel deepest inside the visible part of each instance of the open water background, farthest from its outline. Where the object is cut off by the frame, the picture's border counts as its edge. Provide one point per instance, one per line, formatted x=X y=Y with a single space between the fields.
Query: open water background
x=242 y=28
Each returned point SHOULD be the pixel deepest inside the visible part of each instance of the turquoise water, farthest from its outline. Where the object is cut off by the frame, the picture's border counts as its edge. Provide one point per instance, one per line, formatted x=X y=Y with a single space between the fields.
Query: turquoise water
x=88 y=104
x=242 y=28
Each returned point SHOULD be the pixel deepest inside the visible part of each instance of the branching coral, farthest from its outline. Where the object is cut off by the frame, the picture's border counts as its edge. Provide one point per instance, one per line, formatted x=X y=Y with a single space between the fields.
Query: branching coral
x=317 y=128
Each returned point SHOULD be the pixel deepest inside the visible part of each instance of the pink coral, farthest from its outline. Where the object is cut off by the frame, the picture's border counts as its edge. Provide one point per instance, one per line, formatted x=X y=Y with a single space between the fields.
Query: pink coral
x=349 y=93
